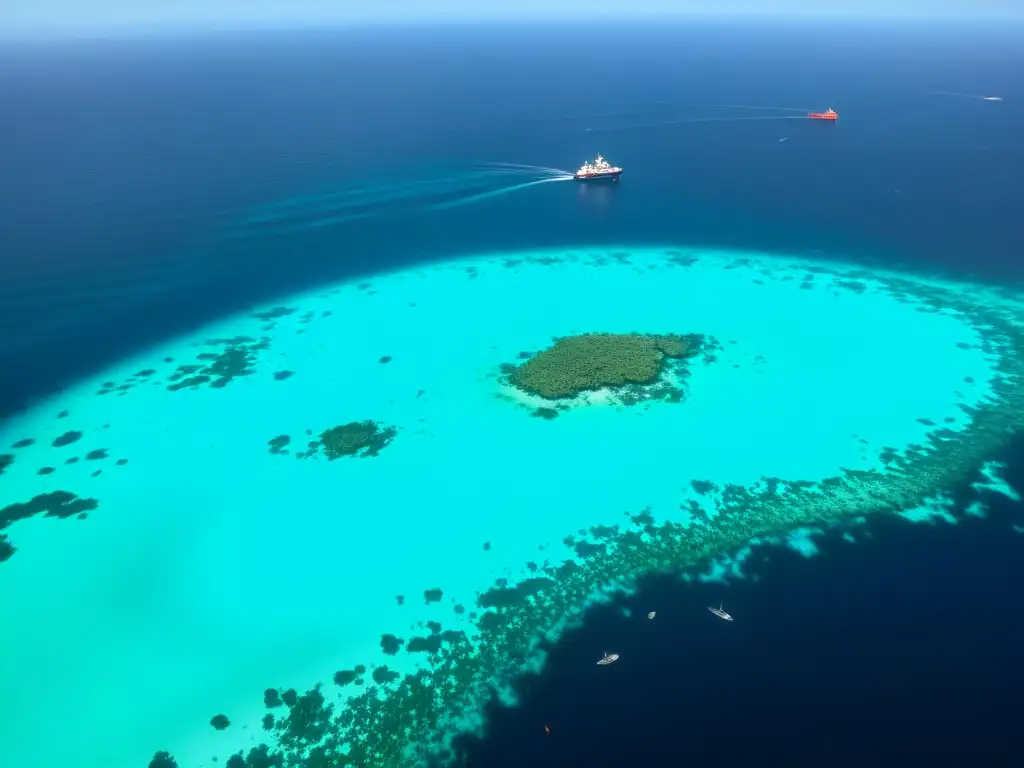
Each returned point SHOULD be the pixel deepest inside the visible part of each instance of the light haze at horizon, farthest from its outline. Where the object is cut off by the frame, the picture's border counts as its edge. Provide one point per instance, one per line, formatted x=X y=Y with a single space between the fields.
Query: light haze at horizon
x=29 y=18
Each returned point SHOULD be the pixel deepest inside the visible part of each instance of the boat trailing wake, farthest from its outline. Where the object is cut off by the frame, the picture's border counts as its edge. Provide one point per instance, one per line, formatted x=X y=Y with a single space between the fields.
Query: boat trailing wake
x=975 y=96
x=497 y=193
x=431 y=192
x=770 y=109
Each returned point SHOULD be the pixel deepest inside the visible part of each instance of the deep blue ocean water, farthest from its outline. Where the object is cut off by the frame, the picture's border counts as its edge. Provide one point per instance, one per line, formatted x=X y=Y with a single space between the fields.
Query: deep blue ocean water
x=125 y=161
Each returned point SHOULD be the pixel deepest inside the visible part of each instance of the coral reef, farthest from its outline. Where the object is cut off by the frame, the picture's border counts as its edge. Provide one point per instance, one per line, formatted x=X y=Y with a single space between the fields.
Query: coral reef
x=236 y=357
x=60 y=504
x=163 y=760
x=220 y=722
x=634 y=367
x=67 y=439
x=360 y=439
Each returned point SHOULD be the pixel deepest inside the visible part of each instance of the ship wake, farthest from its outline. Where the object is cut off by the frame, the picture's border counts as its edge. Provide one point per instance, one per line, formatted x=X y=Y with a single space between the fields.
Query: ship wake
x=342 y=204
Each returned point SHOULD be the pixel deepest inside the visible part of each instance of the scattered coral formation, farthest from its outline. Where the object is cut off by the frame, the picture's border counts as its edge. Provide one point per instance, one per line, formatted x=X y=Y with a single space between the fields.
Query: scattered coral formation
x=235 y=357
x=357 y=438
x=360 y=439
x=279 y=444
x=59 y=504
x=67 y=438
x=220 y=722
x=220 y=361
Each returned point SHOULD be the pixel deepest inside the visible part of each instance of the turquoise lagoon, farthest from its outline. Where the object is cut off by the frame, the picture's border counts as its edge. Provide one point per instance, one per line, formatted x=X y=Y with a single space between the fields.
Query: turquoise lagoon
x=211 y=568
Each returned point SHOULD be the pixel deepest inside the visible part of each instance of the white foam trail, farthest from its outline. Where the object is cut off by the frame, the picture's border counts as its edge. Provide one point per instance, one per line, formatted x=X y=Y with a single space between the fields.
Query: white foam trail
x=495 y=193
x=750 y=106
x=978 y=96
x=381 y=193
x=533 y=168
x=700 y=120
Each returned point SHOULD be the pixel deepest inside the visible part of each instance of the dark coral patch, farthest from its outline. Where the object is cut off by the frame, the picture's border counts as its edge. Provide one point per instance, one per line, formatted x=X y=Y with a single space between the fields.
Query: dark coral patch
x=220 y=722
x=391 y=644
x=344 y=677
x=279 y=444
x=6 y=460
x=97 y=455
x=282 y=375
x=67 y=439
x=308 y=720
x=360 y=439
x=45 y=471
x=163 y=760
x=433 y=595
x=60 y=504
x=431 y=644
x=502 y=596
x=272 y=698
x=383 y=675
x=24 y=443
x=386 y=359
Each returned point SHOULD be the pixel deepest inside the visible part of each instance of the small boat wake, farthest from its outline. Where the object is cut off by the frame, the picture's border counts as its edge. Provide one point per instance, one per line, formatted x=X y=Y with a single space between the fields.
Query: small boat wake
x=497 y=193
x=427 y=191
x=768 y=109
x=974 y=96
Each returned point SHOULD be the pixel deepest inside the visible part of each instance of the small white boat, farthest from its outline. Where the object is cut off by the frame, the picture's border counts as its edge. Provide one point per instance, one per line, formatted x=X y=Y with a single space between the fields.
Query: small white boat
x=720 y=613
x=651 y=615
x=608 y=658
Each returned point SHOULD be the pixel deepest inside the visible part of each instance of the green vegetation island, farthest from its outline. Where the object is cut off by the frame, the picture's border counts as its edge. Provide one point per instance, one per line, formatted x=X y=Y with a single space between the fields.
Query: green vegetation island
x=638 y=367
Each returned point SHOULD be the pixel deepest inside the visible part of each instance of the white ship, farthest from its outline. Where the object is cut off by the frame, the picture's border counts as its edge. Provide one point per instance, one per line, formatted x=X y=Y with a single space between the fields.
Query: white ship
x=599 y=168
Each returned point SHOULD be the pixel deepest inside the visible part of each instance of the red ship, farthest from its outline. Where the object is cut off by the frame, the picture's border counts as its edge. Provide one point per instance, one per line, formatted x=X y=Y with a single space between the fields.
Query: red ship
x=827 y=115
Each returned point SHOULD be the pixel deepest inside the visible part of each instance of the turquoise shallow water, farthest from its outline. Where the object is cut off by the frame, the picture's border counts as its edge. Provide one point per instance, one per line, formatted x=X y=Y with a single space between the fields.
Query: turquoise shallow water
x=213 y=568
